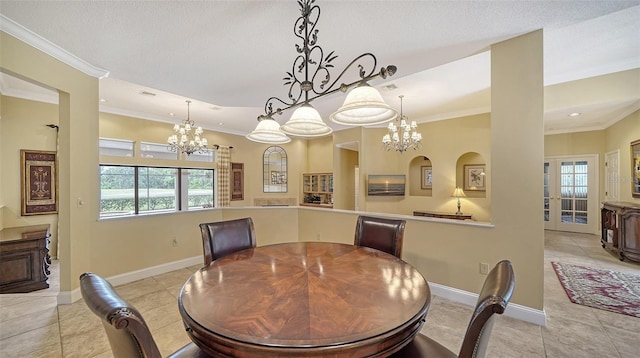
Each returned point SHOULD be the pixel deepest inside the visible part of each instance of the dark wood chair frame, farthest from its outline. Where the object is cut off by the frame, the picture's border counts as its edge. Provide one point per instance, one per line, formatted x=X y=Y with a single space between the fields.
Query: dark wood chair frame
x=127 y=331
x=493 y=299
x=221 y=238
x=380 y=233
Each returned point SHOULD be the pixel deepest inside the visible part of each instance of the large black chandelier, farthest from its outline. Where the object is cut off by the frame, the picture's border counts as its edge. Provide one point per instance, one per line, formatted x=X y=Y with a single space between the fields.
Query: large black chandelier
x=310 y=79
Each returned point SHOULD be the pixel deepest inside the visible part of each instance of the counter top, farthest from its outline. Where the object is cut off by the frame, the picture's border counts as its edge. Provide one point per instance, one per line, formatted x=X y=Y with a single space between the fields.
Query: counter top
x=23 y=232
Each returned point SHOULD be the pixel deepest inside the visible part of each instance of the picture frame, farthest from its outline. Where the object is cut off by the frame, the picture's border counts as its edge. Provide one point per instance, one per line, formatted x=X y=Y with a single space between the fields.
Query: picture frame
x=39 y=182
x=386 y=184
x=237 y=181
x=426 y=177
x=474 y=177
x=635 y=168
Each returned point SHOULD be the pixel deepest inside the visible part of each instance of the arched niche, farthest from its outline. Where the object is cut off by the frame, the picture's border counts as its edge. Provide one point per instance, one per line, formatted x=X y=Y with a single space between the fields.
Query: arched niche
x=471 y=175
x=420 y=176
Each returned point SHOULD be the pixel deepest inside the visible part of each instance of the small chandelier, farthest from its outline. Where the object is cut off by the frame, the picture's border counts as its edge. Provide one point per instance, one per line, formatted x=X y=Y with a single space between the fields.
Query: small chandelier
x=187 y=138
x=403 y=136
x=309 y=79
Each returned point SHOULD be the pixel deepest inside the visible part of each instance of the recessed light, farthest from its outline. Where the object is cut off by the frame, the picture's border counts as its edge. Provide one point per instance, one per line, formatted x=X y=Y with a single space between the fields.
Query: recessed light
x=220 y=124
x=390 y=87
x=574 y=114
x=214 y=108
x=172 y=114
x=146 y=93
x=103 y=100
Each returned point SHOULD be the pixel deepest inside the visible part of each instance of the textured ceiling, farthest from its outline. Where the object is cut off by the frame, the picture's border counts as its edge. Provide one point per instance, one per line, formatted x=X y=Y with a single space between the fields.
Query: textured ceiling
x=230 y=56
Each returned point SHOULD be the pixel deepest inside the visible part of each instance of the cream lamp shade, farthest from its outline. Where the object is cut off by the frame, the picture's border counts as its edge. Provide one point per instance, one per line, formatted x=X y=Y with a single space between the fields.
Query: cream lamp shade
x=306 y=122
x=458 y=193
x=363 y=106
x=268 y=131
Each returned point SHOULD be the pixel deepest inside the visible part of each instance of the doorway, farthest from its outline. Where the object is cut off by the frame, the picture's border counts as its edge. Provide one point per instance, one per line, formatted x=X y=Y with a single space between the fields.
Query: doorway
x=571 y=194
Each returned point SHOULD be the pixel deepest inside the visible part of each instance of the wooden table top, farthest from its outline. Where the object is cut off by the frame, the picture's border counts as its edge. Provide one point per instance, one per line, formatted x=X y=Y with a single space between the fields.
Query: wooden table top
x=311 y=299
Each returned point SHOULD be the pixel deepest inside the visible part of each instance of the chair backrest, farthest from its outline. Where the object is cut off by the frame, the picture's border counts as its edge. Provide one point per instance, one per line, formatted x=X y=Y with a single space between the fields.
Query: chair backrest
x=494 y=297
x=222 y=238
x=381 y=234
x=128 y=333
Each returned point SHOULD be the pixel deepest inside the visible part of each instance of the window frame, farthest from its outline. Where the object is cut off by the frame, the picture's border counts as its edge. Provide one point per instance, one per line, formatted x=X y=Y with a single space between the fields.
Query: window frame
x=181 y=191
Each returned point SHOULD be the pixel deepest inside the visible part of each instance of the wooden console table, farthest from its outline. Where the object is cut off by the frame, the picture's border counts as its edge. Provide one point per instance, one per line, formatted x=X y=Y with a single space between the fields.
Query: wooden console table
x=621 y=229
x=432 y=214
x=24 y=259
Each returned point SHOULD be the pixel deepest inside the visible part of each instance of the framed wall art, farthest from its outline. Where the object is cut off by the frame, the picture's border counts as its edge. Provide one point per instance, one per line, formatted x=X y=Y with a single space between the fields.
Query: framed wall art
x=386 y=185
x=474 y=177
x=426 y=176
x=635 y=168
x=237 y=181
x=39 y=182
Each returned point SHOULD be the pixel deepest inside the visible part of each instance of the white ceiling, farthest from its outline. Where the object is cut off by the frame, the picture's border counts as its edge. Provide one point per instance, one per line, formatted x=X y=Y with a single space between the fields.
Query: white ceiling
x=228 y=57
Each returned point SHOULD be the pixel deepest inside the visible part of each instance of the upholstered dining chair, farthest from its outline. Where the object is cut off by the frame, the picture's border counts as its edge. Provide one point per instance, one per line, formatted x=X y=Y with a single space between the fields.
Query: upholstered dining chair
x=222 y=238
x=128 y=333
x=380 y=233
x=494 y=297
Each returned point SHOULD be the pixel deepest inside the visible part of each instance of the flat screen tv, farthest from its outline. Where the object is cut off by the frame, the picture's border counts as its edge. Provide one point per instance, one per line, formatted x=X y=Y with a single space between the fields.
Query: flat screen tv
x=385 y=185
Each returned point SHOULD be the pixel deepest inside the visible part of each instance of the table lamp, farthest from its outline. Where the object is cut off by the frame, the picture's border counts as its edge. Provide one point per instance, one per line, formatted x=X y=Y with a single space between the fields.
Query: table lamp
x=458 y=193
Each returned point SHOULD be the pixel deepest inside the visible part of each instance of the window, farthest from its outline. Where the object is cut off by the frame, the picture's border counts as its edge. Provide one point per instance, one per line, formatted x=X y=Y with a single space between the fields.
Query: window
x=208 y=157
x=133 y=190
x=115 y=147
x=156 y=151
x=199 y=188
x=274 y=176
x=117 y=190
x=157 y=189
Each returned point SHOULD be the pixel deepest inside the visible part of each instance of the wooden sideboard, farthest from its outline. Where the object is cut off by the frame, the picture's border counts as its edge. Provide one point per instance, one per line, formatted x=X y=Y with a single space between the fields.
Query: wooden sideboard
x=433 y=214
x=621 y=229
x=24 y=259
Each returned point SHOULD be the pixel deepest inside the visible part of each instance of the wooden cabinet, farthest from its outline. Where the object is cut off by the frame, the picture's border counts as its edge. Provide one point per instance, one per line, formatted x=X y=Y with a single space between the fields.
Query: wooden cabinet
x=24 y=259
x=621 y=229
x=317 y=188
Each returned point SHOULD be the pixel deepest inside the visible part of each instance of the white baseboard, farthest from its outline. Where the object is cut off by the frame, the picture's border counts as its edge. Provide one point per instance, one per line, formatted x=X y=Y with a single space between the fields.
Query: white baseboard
x=68 y=297
x=513 y=310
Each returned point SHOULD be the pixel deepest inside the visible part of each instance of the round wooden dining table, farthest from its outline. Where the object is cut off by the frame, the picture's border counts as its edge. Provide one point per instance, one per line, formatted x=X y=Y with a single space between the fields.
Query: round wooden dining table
x=308 y=299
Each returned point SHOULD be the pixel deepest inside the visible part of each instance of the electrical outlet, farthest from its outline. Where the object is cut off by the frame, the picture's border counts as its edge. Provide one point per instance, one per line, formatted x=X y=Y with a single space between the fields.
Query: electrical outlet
x=174 y=242
x=484 y=268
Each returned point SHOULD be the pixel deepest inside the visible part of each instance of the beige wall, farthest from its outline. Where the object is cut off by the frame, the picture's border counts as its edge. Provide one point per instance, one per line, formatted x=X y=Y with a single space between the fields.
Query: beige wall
x=592 y=142
x=517 y=153
x=24 y=125
x=619 y=137
x=320 y=155
x=77 y=151
x=449 y=146
x=447 y=253
x=244 y=151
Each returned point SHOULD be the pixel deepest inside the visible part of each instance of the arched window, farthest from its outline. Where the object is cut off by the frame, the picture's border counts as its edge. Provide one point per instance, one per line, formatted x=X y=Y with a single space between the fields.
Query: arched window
x=274 y=170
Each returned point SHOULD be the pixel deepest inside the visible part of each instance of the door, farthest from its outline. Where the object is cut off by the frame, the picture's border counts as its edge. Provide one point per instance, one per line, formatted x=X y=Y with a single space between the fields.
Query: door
x=570 y=194
x=612 y=176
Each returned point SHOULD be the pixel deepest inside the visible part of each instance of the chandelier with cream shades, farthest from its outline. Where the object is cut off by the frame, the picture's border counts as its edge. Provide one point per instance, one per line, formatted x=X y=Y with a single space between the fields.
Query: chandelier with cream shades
x=187 y=138
x=404 y=135
x=310 y=79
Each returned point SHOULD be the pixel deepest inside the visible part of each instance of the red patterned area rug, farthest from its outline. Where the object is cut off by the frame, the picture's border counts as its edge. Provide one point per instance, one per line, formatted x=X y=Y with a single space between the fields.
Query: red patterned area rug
x=604 y=289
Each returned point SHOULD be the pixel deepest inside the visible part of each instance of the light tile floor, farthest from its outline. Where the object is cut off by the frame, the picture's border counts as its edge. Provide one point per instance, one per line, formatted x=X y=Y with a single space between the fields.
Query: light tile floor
x=32 y=325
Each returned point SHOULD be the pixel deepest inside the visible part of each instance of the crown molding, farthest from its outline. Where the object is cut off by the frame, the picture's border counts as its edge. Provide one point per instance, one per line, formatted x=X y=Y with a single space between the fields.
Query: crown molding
x=31 y=38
